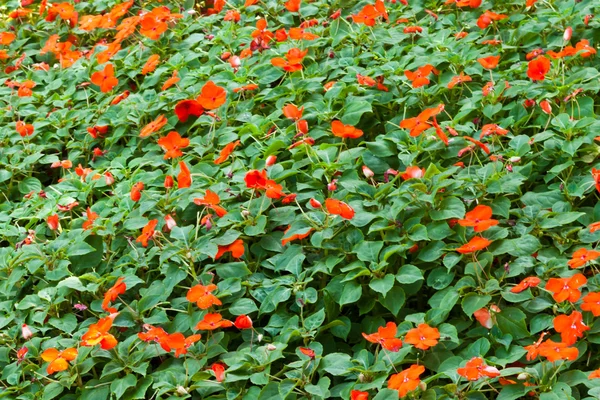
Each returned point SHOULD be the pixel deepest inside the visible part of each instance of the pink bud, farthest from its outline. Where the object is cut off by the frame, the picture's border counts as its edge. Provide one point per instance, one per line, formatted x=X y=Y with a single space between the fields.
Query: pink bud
x=235 y=62
x=367 y=172
x=332 y=186
x=170 y=222
x=315 y=203
x=109 y=178
x=271 y=160
x=26 y=332
x=568 y=33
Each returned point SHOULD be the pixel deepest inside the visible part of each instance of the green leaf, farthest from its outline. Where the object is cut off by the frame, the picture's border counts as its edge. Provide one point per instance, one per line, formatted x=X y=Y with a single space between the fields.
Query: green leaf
x=408 y=274
x=450 y=207
x=382 y=285
x=354 y=109
x=513 y=321
x=119 y=386
x=473 y=302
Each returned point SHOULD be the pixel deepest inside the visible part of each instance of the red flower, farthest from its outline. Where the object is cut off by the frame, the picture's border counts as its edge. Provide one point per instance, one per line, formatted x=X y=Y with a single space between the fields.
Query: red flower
x=566 y=288
x=91 y=217
x=492 y=129
x=307 y=352
x=219 y=371
x=212 y=96
x=147 y=233
x=582 y=256
x=538 y=68
x=172 y=144
x=291 y=111
x=226 y=152
x=136 y=191
x=407 y=380
x=531 y=281
x=345 y=131
x=211 y=200
x=184 y=178
x=476 y=369
x=105 y=78
x=570 y=327
x=370 y=13
x=212 y=322
x=185 y=108
x=358 y=395
x=111 y=295
x=422 y=337
x=413 y=172
x=58 y=359
x=475 y=244
x=293 y=5
x=98 y=334
x=487 y=17
x=480 y=218
x=490 y=62
x=24 y=129
x=386 y=337
x=236 y=249
x=256 y=179
x=243 y=322
x=340 y=208
x=52 y=222
x=591 y=303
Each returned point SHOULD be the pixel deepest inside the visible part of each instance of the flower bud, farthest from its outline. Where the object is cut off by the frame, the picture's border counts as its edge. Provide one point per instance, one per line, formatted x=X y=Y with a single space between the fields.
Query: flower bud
x=259 y=337
x=271 y=160
x=271 y=347
x=367 y=172
x=332 y=186
x=181 y=390
x=546 y=107
x=568 y=33
x=522 y=376
x=168 y=182
x=315 y=203
x=26 y=332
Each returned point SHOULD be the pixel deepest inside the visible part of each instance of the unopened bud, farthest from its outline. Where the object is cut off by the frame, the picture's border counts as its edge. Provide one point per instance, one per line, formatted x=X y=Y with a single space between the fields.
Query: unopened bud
x=367 y=172
x=181 y=390
x=568 y=33
x=271 y=160
x=259 y=337
x=315 y=203
x=271 y=347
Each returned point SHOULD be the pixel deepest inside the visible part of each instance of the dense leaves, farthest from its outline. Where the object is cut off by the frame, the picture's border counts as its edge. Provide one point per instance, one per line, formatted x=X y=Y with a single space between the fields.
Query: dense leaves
x=299 y=199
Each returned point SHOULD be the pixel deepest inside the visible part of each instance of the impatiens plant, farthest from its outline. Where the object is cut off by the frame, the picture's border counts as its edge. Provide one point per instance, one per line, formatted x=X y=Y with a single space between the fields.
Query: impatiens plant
x=299 y=199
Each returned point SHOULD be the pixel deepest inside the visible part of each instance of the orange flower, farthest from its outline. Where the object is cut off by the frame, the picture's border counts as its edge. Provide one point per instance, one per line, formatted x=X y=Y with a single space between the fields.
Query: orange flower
x=147 y=232
x=91 y=217
x=420 y=76
x=538 y=68
x=7 y=38
x=557 y=351
x=136 y=191
x=292 y=61
x=203 y=297
x=119 y=98
x=293 y=5
x=307 y=351
x=345 y=131
x=591 y=303
x=406 y=380
x=292 y=112
x=476 y=369
x=246 y=88
x=111 y=295
x=337 y=207
x=211 y=200
x=533 y=350
x=596 y=176
x=594 y=375
x=153 y=126
x=24 y=129
x=531 y=281
x=98 y=334
x=172 y=144
x=226 y=152
x=492 y=129
x=58 y=359
x=185 y=108
x=478 y=144
x=479 y=218
x=413 y=172
x=420 y=123
x=582 y=256
x=570 y=327
x=386 y=337
x=154 y=23
x=178 y=342
x=566 y=288
x=459 y=79
x=154 y=334
x=171 y=81
x=52 y=222
x=212 y=96
x=151 y=64
x=487 y=17
x=296 y=236
x=213 y=321
x=184 y=178
x=370 y=13
x=422 y=337
x=256 y=179
x=236 y=248
x=105 y=78
x=475 y=244
x=490 y=62
x=65 y=10
x=484 y=317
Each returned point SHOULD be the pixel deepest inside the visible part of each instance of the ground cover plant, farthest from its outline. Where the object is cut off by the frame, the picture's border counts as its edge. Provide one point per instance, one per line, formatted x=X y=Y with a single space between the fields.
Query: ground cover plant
x=269 y=199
